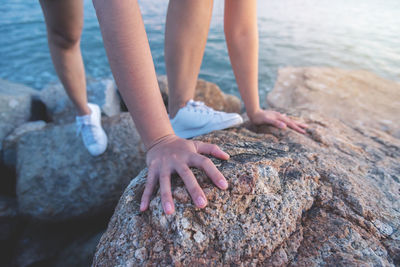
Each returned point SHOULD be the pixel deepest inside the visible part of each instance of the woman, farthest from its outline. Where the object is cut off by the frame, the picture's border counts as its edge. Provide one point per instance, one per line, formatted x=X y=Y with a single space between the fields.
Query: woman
x=130 y=60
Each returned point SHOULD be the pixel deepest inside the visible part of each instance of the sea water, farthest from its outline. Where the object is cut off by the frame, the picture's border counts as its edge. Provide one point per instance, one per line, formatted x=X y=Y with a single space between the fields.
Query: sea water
x=355 y=34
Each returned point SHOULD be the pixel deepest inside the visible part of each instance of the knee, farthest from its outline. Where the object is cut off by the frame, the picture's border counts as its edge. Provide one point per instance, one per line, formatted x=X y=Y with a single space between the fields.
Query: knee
x=236 y=30
x=64 y=39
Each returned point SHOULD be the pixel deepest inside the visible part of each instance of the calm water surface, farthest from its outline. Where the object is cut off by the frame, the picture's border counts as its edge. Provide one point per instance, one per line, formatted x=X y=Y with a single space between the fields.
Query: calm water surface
x=356 y=34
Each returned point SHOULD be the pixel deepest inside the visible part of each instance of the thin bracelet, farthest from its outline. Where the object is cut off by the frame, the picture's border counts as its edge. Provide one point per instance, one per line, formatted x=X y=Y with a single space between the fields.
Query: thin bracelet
x=159 y=140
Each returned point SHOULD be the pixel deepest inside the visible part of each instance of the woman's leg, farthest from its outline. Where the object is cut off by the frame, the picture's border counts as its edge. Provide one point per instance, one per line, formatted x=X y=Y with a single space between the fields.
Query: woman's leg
x=64 y=21
x=186 y=32
x=241 y=33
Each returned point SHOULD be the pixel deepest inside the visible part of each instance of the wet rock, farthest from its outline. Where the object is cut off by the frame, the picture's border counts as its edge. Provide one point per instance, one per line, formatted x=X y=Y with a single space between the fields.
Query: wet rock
x=358 y=98
x=10 y=143
x=59 y=180
x=61 y=110
x=207 y=92
x=331 y=197
x=15 y=106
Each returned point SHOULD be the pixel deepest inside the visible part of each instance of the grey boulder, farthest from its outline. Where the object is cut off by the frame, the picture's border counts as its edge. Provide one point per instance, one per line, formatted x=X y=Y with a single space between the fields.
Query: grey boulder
x=61 y=110
x=15 y=106
x=10 y=143
x=57 y=179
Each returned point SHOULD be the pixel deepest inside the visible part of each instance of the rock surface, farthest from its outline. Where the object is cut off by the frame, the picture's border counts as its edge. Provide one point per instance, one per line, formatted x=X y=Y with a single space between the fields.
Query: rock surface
x=10 y=143
x=61 y=110
x=331 y=197
x=357 y=98
x=207 y=92
x=15 y=106
x=59 y=180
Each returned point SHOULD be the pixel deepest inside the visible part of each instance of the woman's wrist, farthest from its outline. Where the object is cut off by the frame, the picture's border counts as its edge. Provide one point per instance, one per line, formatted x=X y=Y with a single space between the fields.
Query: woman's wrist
x=159 y=140
x=251 y=113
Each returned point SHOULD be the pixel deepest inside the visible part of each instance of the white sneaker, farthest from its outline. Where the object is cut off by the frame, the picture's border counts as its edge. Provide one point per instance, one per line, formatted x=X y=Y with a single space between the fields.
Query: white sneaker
x=93 y=135
x=196 y=119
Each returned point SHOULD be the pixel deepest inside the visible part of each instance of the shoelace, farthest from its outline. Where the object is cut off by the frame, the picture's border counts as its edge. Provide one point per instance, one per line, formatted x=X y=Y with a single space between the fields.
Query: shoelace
x=89 y=135
x=200 y=106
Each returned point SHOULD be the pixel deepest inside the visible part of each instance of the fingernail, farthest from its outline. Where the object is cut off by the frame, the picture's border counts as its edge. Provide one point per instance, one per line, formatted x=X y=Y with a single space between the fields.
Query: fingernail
x=201 y=201
x=223 y=184
x=168 y=207
x=282 y=125
x=142 y=206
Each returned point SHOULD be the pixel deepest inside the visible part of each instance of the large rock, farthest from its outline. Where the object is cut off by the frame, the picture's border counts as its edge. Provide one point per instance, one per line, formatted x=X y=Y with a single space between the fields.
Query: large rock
x=10 y=143
x=59 y=180
x=15 y=106
x=61 y=110
x=330 y=197
x=207 y=92
x=358 y=98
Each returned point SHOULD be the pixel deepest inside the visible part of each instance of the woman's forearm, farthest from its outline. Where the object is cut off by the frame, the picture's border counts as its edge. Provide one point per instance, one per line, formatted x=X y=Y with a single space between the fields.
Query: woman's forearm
x=131 y=63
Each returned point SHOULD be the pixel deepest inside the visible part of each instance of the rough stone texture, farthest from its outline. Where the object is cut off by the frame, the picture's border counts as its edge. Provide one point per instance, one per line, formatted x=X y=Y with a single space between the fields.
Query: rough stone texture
x=358 y=98
x=207 y=92
x=61 y=110
x=10 y=143
x=59 y=180
x=15 y=106
x=331 y=197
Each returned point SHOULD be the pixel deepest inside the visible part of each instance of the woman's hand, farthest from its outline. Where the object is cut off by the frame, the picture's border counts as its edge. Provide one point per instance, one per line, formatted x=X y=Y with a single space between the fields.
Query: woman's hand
x=174 y=154
x=276 y=119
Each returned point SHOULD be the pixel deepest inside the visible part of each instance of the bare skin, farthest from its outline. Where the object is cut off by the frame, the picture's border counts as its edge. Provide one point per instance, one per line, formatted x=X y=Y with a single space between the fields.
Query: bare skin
x=185 y=40
x=130 y=59
x=185 y=35
x=64 y=22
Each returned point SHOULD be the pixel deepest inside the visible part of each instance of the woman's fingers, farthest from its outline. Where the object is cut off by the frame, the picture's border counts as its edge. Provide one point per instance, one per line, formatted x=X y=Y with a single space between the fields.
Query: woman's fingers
x=165 y=191
x=149 y=188
x=210 y=169
x=210 y=149
x=302 y=125
x=292 y=124
x=280 y=124
x=192 y=185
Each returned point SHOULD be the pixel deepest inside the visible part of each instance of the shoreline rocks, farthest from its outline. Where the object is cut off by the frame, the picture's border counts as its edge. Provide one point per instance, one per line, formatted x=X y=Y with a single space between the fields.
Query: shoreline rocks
x=58 y=180
x=292 y=200
x=331 y=197
x=356 y=97
x=16 y=104
x=55 y=198
x=60 y=109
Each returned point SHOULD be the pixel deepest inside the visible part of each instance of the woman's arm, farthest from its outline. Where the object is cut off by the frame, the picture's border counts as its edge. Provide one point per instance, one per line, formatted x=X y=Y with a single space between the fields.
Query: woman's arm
x=241 y=32
x=131 y=63
x=130 y=60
